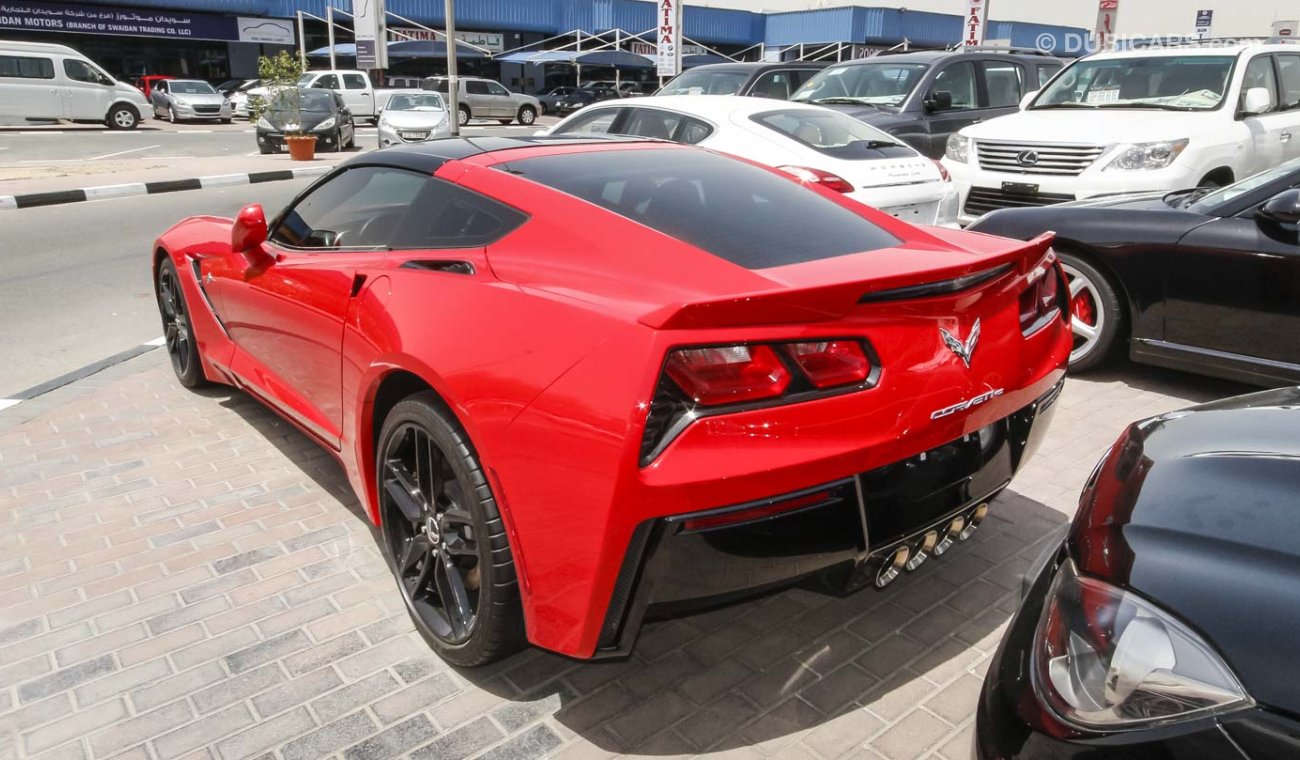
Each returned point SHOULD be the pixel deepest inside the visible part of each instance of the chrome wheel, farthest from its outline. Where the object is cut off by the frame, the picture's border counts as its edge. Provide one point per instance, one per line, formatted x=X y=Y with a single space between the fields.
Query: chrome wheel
x=1087 y=317
x=124 y=118
x=176 y=323
x=430 y=534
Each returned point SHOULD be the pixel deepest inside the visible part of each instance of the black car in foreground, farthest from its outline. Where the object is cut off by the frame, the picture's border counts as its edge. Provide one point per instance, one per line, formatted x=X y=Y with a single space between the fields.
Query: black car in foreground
x=1203 y=280
x=314 y=112
x=1166 y=623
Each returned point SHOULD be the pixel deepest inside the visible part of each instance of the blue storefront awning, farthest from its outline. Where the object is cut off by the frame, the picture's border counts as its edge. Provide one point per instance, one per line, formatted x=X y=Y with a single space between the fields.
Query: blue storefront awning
x=403 y=49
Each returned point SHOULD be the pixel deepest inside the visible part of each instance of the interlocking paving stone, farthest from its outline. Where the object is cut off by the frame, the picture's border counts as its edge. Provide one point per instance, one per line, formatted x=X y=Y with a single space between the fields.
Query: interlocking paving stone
x=394 y=741
x=67 y=678
x=333 y=737
x=460 y=743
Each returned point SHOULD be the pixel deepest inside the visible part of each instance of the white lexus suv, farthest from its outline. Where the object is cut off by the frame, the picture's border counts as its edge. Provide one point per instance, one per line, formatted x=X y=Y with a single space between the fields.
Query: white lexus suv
x=1136 y=121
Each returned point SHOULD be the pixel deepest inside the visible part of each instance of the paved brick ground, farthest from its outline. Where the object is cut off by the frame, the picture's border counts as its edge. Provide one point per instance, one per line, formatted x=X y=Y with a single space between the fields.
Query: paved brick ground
x=184 y=575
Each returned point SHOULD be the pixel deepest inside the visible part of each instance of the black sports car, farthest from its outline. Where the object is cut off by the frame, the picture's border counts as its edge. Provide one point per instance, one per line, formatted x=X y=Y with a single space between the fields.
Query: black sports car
x=1204 y=280
x=1165 y=624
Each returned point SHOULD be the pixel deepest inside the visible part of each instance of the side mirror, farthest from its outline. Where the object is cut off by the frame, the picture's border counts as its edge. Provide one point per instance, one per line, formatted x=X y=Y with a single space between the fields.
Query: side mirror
x=1027 y=99
x=1283 y=208
x=250 y=228
x=938 y=101
x=1258 y=100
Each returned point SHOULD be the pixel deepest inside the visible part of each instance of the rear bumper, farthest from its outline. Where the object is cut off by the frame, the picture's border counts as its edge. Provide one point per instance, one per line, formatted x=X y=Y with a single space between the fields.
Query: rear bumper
x=845 y=532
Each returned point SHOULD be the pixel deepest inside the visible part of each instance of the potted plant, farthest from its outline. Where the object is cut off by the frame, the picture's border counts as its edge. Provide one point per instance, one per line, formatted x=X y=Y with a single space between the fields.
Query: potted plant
x=280 y=73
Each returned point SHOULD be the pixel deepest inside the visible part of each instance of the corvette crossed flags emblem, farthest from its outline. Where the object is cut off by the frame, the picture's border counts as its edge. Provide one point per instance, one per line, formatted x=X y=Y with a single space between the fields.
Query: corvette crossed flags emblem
x=962 y=350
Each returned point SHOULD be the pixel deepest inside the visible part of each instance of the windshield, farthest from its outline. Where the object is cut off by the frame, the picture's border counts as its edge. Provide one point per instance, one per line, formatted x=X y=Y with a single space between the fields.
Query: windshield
x=829 y=132
x=306 y=79
x=430 y=102
x=1210 y=201
x=316 y=101
x=703 y=81
x=1175 y=83
x=877 y=84
x=190 y=88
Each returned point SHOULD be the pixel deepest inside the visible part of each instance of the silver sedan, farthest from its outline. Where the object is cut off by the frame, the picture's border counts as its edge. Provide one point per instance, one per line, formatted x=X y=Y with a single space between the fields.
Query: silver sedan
x=413 y=117
x=178 y=99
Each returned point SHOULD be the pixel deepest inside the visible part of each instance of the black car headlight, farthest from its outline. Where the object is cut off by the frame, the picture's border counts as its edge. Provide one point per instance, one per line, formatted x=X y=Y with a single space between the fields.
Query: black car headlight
x=1108 y=660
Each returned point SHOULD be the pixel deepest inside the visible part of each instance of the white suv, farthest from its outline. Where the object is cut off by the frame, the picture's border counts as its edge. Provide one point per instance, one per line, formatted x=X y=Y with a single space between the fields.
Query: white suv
x=1136 y=121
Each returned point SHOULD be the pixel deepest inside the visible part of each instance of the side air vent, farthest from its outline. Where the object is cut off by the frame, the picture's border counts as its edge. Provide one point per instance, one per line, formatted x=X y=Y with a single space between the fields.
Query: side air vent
x=448 y=266
x=942 y=288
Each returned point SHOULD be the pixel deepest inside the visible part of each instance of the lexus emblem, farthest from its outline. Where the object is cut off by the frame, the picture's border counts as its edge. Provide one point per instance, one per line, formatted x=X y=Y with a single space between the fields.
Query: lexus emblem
x=1027 y=158
x=962 y=350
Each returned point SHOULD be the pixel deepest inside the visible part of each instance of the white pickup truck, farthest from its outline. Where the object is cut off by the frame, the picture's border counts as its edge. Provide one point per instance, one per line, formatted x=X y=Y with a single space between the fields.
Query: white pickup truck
x=362 y=99
x=1135 y=121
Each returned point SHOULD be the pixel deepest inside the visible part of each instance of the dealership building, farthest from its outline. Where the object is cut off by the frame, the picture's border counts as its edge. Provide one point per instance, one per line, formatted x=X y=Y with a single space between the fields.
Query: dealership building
x=216 y=39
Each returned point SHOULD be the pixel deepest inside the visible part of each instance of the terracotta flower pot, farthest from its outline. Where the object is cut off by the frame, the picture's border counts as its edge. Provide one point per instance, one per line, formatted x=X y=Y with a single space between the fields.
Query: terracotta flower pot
x=301 y=147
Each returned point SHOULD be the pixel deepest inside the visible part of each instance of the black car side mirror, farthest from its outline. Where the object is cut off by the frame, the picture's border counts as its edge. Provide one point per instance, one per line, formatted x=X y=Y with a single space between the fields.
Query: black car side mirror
x=938 y=101
x=1283 y=208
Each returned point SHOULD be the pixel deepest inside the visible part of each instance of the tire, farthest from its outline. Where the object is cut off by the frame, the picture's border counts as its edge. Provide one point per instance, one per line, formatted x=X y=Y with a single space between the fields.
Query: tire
x=471 y=559
x=171 y=115
x=505 y=121
x=464 y=115
x=338 y=140
x=264 y=150
x=227 y=121
x=1096 y=314
x=122 y=117
x=178 y=331
x=352 y=140
x=527 y=115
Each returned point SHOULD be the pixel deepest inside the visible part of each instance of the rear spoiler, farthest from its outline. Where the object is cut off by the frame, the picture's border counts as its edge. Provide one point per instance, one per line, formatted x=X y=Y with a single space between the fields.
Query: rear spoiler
x=962 y=270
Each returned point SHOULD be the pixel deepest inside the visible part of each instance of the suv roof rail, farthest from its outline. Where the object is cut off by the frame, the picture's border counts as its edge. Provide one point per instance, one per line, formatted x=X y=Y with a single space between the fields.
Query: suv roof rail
x=1204 y=41
x=1000 y=49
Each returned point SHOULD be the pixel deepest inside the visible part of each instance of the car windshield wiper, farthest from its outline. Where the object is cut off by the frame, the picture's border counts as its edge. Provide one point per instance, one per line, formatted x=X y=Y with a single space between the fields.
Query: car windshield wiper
x=843 y=99
x=1157 y=106
x=1185 y=198
x=1066 y=104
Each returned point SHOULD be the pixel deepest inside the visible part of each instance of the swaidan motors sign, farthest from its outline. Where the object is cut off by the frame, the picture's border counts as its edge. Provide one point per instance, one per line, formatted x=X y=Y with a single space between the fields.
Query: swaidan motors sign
x=368 y=29
x=669 y=49
x=977 y=17
x=1107 y=15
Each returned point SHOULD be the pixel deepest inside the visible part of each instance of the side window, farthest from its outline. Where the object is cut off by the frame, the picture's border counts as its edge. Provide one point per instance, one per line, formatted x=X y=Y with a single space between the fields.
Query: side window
x=693 y=131
x=773 y=84
x=476 y=87
x=354 y=81
x=1289 y=65
x=652 y=122
x=594 y=122
x=80 y=71
x=446 y=216
x=326 y=82
x=160 y=86
x=26 y=68
x=496 y=89
x=1046 y=71
x=1005 y=83
x=358 y=209
x=1259 y=74
x=958 y=80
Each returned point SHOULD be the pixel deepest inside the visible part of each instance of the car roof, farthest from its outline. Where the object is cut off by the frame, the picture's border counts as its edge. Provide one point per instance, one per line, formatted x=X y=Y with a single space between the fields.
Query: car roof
x=429 y=156
x=713 y=107
x=1162 y=51
x=762 y=65
x=38 y=47
x=183 y=81
x=930 y=56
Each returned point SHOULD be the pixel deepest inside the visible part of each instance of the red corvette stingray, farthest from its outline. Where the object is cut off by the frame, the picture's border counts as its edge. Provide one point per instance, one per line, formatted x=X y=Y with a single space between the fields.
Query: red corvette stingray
x=579 y=382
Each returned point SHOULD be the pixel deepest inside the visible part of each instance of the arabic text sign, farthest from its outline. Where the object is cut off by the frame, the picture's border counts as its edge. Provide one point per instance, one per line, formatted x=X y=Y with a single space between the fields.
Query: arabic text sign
x=977 y=15
x=57 y=17
x=1204 y=20
x=669 y=47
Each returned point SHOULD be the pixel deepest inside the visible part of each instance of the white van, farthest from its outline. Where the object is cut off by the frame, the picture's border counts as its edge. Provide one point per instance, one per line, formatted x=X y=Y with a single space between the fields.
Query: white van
x=44 y=82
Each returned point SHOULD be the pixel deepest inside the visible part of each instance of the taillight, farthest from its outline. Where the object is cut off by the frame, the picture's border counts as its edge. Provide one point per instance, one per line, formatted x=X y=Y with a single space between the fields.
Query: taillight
x=819 y=177
x=1042 y=301
x=832 y=363
x=943 y=171
x=728 y=374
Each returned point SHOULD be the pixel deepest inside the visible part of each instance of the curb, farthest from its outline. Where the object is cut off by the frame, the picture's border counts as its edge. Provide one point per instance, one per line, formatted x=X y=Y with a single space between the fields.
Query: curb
x=56 y=197
x=79 y=374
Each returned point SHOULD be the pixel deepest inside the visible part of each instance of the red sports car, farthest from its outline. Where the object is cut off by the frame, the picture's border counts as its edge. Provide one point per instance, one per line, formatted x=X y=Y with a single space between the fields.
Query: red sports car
x=579 y=382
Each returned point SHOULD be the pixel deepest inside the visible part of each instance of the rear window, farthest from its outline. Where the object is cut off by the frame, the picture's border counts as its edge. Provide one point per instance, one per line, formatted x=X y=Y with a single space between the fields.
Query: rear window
x=739 y=212
x=833 y=133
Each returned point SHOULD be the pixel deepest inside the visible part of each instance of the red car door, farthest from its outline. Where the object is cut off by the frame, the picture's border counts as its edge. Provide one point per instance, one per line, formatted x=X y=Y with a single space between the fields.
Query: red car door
x=284 y=304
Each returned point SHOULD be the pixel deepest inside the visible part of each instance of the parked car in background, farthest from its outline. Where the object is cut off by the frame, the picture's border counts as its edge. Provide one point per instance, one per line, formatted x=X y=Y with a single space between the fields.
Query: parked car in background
x=1136 y=121
x=1202 y=280
x=631 y=89
x=817 y=145
x=591 y=92
x=413 y=117
x=486 y=99
x=695 y=379
x=179 y=100
x=363 y=100
x=322 y=112
x=1162 y=624
x=145 y=83
x=923 y=97
x=228 y=86
x=240 y=97
x=45 y=82
x=763 y=80
x=552 y=97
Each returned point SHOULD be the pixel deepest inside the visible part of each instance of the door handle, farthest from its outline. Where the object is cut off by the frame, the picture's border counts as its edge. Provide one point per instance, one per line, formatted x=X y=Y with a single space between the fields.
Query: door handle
x=1286 y=137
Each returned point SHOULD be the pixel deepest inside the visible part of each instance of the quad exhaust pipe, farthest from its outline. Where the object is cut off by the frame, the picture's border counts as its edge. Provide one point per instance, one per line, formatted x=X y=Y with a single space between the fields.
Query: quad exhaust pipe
x=934 y=542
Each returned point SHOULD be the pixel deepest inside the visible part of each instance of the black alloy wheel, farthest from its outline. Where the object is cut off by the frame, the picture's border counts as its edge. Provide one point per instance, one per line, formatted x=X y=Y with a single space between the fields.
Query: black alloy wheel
x=444 y=539
x=178 y=331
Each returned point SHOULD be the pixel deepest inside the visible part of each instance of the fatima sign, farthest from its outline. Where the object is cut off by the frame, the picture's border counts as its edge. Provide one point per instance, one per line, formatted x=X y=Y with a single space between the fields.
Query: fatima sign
x=1107 y=14
x=977 y=19
x=669 y=58
x=368 y=28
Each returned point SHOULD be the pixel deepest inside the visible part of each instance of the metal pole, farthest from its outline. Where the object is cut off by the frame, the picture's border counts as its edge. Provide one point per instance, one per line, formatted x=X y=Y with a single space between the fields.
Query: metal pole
x=329 y=22
x=453 y=83
x=577 y=67
x=302 y=42
x=618 y=73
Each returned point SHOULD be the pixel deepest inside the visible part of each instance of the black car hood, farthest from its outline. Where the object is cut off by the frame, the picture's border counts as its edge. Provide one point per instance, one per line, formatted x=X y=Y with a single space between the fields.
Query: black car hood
x=310 y=119
x=1129 y=220
x=1199 y=511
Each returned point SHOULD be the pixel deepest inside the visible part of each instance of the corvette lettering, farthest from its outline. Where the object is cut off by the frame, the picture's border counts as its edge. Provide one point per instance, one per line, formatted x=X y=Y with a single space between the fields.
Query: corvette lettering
x=969 y=403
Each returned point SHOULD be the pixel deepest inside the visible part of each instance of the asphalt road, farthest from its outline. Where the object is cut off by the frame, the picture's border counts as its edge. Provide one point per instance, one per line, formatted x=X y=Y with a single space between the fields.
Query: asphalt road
x=74 y=280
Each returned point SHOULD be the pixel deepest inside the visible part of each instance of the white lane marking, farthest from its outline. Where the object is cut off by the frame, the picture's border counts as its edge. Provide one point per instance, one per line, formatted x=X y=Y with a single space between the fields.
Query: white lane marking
x=161 y=341
x=224 y=180
x=42 y=133
x=122 y=152
x=5 y=403
x=7 y=202
x=115 y=191
x=254 y=153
